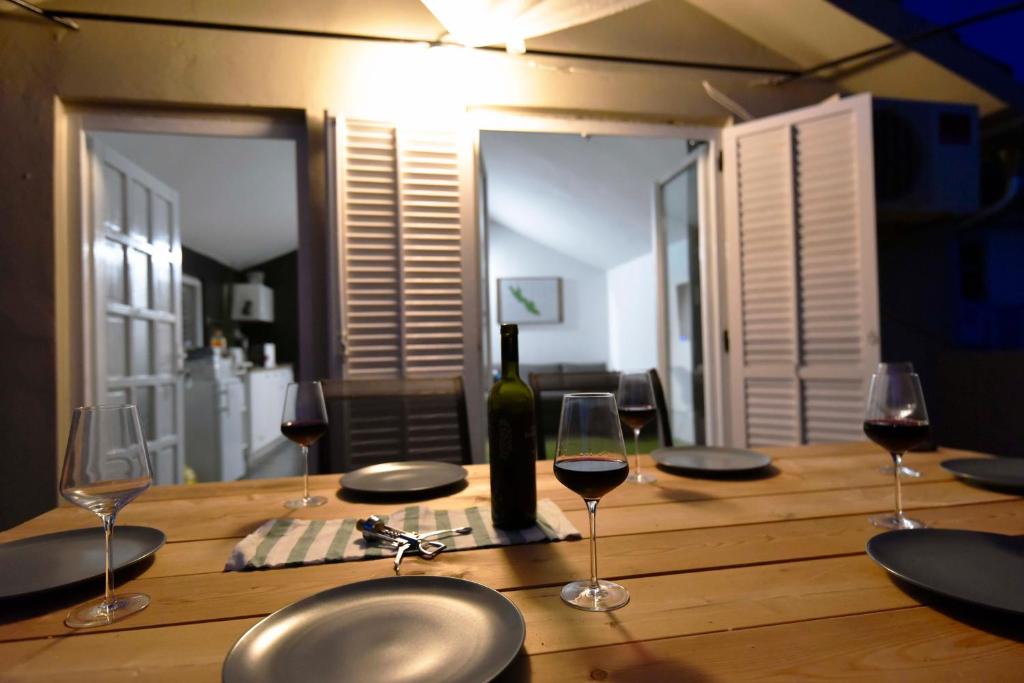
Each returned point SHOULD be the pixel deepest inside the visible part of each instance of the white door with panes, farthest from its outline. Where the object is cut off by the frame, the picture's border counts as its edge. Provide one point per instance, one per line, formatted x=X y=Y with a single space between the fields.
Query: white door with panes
x=802 y=273
x=135 y=247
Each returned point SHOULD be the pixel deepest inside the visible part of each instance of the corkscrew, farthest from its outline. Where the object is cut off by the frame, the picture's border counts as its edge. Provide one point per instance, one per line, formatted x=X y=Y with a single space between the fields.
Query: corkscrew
x=374 y=529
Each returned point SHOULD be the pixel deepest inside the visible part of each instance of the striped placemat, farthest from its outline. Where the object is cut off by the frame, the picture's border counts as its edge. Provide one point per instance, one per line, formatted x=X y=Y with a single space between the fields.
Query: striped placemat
x=290 y=542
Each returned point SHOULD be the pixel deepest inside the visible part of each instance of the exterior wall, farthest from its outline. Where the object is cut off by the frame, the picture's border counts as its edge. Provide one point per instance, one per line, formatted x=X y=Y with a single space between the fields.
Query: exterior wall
x=44 y=68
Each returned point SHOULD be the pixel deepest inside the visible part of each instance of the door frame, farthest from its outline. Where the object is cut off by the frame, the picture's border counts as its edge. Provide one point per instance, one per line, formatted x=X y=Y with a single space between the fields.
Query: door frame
x=709 y=271
x=710 y=231
x=73 y=277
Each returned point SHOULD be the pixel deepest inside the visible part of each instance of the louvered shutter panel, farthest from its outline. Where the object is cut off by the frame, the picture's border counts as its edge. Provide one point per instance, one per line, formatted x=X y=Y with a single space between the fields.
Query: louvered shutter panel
x=431 y=251
x=802 y=273
x=370 y=269
x=406 y=243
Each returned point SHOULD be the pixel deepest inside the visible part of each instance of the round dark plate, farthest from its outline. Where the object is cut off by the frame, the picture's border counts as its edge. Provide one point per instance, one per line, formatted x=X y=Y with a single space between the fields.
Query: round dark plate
x=412 y=476
x=976 y=567
x=41 y=563
x=398 y=629
x=711 y=459
x=1001 y=472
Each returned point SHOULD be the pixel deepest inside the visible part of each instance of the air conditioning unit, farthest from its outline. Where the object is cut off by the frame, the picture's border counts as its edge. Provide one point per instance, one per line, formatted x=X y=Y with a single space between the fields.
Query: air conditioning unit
x=927 y=160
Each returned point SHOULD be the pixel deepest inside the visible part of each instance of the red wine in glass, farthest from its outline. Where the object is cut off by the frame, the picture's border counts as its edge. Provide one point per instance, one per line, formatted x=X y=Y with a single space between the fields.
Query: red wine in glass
x=304 y=432
x=635 y=400
x=590 y=460
x=896 y=419
x=304 y=421
x=637 y=417
x=591 y=476
x=896 y=435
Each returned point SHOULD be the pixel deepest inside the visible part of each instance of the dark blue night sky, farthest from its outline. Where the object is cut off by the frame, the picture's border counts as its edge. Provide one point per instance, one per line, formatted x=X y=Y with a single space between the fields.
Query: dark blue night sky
x=1000 y=38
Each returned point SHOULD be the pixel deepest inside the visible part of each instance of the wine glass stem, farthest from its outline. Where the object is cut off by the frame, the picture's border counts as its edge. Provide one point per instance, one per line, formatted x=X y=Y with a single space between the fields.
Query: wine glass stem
x=897 y=459
x=636 y=449
x=305 y=472
x=108 y=579
x=592 y=509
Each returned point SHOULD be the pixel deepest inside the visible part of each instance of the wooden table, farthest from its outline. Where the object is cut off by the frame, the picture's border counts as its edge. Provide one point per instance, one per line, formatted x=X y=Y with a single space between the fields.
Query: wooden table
x=729 y=580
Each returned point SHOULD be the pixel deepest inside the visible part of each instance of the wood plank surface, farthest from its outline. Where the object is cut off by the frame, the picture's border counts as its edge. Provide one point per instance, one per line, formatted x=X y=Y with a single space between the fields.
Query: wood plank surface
x=193 y=597
x=234 y=516
x=730 y=580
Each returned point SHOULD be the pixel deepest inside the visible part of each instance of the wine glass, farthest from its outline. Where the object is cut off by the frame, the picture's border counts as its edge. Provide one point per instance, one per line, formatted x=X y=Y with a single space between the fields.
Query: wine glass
x=106 y=465
x=304 y=421
x=636 y=409
x=590 y=459
x=896 y=419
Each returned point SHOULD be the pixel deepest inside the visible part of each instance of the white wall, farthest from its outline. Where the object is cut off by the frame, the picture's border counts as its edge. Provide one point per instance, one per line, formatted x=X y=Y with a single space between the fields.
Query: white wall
x=582 y=336
x=632 y=311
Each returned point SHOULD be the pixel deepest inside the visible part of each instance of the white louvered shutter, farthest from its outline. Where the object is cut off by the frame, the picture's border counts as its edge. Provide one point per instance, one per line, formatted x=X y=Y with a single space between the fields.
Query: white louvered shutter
x=430 y=228
x=402 y=253
x=370 y=268
x=802 y=273
x=407 y=296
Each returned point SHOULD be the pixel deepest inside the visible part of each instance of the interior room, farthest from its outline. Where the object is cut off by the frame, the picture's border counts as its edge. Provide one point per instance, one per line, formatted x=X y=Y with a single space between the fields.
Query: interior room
x=582 y=209
x=546 y=341
x=238 y=215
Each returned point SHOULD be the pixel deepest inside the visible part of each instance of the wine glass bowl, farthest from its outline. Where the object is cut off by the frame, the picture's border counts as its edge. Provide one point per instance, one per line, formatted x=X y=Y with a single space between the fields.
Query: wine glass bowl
x=636 y=408
x=590 y=459
x=106 y=466
x=897 y=420
x=304 y=422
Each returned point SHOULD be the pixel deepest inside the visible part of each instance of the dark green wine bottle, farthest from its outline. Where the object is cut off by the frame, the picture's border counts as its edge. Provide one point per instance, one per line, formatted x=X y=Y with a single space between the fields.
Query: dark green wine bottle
x=511 y=428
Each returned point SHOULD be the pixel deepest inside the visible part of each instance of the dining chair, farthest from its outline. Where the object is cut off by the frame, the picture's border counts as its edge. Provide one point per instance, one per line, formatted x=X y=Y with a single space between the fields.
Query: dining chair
x=548 y=389
x=386 y=420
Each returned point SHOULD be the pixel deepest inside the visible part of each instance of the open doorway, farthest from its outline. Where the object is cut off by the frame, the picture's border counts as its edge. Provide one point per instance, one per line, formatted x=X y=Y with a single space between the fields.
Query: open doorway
x=609 y=224
x=191 y=287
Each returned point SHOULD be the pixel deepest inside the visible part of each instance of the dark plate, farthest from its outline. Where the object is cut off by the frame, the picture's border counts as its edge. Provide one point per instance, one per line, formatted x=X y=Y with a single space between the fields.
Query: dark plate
x=403 y=628
x=711 y=459
x=976 y=567
x=412 y=476
x=1001 y=472
x=41 y=563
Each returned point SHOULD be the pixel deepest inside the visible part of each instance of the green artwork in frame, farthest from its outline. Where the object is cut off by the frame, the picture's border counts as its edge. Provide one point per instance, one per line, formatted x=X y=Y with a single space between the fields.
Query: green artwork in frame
x=525 y=300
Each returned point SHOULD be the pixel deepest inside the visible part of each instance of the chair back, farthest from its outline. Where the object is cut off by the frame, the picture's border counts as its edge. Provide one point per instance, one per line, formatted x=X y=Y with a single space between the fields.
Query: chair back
x=548 y=389
x=387 y=420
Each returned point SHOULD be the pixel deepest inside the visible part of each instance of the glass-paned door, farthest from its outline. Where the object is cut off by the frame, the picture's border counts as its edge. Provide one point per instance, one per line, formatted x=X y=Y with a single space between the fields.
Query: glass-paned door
x=681 y=360
x=136 y=328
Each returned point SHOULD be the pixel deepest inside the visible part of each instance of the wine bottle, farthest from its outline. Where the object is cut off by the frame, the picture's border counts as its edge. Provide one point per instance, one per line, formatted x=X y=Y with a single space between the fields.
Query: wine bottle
x=511 y=429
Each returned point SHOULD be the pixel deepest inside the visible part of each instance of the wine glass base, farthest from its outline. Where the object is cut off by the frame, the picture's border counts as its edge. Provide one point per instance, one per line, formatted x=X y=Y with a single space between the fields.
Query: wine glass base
x=308 y=502
x=904 y=471
x=605 y=597
x=896 y=522
x=97 y=613
x=636 y=477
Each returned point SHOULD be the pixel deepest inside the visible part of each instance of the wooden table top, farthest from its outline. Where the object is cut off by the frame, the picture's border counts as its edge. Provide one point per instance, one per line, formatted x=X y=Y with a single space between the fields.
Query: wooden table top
x=730 y=580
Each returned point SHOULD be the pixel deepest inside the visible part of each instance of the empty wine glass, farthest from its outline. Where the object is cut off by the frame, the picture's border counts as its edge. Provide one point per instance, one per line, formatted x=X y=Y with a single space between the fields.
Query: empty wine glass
x=896 y=419
x=590 y=459
x=106 y=465
x=636 y=409
x=304 y=421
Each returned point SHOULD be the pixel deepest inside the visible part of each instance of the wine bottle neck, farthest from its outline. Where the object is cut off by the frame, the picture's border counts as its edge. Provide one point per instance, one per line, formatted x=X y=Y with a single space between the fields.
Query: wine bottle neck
x=509 y=356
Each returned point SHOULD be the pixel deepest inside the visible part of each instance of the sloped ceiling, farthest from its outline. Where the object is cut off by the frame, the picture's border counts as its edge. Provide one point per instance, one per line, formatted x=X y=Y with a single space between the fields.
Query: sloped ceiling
x=239 y=201
x=811 y=32
x=590 y=198
x=765 y=33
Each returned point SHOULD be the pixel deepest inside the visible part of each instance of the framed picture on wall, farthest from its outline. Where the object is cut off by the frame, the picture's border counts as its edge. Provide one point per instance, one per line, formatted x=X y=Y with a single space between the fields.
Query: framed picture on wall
x=525 y=300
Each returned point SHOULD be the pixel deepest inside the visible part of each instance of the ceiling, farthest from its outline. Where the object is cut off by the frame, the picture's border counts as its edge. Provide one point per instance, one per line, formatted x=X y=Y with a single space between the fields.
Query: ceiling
x=777 y=34
x=238 y=196
x=589 y=198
